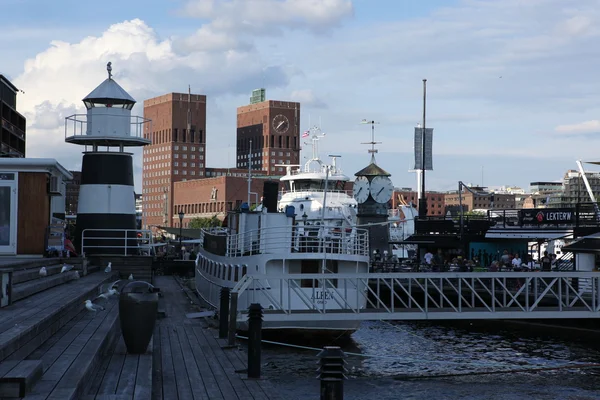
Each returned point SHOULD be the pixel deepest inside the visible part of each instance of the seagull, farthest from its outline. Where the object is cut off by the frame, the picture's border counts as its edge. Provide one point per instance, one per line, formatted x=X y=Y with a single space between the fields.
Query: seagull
x=77 y=276
x=109 y=268
x=43 y=271
x=66 y=268
x=130 y=277
x=93 y=307
x=108 y=294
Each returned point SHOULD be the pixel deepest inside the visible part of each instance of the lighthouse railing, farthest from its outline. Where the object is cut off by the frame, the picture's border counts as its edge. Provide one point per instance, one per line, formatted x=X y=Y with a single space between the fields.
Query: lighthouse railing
x=76 y=126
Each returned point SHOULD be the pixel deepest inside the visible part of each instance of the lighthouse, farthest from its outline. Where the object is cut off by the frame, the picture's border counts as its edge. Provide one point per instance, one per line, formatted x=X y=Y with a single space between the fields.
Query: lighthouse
x=106 y=208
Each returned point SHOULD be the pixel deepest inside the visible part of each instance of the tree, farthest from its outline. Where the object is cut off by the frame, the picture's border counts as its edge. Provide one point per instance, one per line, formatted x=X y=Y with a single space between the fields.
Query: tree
x=199 y=223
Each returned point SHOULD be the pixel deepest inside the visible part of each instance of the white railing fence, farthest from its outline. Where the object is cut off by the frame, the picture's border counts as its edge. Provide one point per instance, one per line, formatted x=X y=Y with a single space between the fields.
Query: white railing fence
x=117 y=241
x=419 y=296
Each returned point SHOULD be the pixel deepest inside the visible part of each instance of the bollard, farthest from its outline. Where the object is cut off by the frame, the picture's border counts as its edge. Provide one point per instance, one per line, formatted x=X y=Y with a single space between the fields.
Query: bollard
x=232 y=319
x=254 y=339
x=224 y=313
x=331 y=373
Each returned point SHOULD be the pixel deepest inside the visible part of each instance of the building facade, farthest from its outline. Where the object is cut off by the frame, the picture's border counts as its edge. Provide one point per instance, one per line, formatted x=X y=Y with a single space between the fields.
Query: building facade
x=205 y=198
x=72 y=193
x=268 y=135
x=545 y=187
x=177 y=152
x=574 y=190
x=12 y=124
x=482 y=201
x=436 y=204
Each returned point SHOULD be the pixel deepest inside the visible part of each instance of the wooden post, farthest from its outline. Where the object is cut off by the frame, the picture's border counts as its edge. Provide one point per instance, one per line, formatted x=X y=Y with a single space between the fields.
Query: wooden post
x=233 y=301
x=254 y=339
x=224 y=313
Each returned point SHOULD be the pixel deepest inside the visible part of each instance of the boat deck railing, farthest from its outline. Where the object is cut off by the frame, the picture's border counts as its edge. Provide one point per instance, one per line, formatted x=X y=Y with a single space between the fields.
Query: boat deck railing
x=296 y=239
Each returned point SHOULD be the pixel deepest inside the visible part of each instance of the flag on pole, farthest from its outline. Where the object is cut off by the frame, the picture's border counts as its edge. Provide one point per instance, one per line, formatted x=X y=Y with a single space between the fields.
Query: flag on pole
x=305 y=134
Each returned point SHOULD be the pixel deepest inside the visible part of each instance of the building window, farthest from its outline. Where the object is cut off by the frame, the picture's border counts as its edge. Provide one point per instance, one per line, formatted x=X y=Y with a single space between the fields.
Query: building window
x=176 y=155
x=175 y=147
x=193 y=164
x=184 y=172
x=201 y=157
x=185 y=148
x=176 y=172
x=176 y=164
x=193 y=148
x=184 y=156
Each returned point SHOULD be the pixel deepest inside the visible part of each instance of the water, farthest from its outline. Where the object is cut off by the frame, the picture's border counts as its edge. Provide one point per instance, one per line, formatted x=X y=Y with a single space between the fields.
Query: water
x=393 y=352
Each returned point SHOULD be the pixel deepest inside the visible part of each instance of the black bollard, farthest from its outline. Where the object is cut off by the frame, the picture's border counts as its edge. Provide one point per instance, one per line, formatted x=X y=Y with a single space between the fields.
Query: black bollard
x=224 y=313
x=331 y=373
x=254 y=339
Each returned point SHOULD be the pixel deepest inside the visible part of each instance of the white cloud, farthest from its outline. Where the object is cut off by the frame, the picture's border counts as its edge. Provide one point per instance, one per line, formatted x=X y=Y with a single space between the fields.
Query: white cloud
x=592 y=126
x=307 y=98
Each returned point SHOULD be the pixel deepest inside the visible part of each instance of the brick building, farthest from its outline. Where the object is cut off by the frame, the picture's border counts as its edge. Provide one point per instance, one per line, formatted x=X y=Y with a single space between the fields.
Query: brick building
x=72 y=193
x=12 y=124
x=485 y=201
x=177 y=152
x=205 y=198
x=273 y=127
x=436 y=204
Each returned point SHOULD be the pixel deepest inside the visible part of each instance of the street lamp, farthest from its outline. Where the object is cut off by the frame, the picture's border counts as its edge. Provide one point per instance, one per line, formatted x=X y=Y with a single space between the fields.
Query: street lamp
x=181 y=215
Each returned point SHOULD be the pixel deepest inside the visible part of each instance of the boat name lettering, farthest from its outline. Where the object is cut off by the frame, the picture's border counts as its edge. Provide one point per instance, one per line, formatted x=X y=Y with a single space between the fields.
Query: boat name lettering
x=322 y=296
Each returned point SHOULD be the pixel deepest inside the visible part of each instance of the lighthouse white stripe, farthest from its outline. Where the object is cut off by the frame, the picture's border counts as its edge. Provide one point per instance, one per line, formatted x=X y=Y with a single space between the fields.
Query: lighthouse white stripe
x=106 y=199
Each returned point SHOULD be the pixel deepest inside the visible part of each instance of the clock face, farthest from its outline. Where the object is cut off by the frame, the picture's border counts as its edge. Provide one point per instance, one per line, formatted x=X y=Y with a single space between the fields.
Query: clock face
x=360 y=190
x=281 y=124
x=382 y=189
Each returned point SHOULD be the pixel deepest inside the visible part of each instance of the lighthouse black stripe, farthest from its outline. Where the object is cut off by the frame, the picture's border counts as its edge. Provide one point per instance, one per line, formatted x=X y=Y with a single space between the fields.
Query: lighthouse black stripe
x=107 y=169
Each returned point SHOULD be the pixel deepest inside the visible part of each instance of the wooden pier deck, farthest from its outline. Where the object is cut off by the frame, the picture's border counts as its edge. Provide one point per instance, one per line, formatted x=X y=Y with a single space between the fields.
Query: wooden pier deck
x=187 y=362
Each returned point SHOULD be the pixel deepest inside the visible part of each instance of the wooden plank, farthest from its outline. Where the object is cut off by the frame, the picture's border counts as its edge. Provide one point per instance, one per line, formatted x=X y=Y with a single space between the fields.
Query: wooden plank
x=6 y=366
x=74 y=381
x=196 y=381
x=251 y=386
x=143 y=381
x=182 y=379
x=99 y=376
x=228 y=391
x=48 y=344
x=111 y=378
x=21 y=378
x=208 y=378
x=27 y=289
x=169 y=384
x=157 y=384
x=128 y=375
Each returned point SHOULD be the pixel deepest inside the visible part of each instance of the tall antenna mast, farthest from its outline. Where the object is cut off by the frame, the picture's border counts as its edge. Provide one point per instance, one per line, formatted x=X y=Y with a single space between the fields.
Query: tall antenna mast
x=423 y=199
x=373 y=150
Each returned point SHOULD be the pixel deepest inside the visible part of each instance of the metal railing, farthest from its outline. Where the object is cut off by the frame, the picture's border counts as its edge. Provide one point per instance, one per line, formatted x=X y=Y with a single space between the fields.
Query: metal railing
x=122 y=241
x=296 y=239
x=76 y=126
x=421 y=296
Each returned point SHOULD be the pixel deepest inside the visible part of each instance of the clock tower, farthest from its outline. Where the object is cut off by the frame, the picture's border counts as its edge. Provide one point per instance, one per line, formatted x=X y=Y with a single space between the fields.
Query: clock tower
x=372 y=190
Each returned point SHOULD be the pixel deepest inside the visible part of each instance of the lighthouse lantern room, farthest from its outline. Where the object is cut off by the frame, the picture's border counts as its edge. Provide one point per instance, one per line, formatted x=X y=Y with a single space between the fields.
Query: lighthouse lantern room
x=106 y=207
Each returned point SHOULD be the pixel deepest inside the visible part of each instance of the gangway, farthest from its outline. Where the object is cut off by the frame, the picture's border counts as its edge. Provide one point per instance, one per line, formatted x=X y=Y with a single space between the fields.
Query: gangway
x=589 y=189
x=423 y=296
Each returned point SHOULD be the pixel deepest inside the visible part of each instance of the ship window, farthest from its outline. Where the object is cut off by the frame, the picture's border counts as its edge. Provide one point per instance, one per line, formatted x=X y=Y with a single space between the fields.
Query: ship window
x=309 y=267
x=229 y=272
x=244 y=270
x=236 y=276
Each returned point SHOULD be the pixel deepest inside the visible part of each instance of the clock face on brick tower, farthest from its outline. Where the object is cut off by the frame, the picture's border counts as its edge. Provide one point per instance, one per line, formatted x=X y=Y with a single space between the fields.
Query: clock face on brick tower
x=281 y=124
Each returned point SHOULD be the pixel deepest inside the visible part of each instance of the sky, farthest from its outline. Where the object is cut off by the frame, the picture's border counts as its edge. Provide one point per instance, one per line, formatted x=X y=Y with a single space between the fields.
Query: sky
x=513 y=88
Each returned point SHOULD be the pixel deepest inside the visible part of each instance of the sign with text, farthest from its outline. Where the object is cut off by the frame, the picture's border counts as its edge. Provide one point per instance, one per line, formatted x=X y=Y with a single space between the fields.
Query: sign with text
x=547 y=216
x=428 y=148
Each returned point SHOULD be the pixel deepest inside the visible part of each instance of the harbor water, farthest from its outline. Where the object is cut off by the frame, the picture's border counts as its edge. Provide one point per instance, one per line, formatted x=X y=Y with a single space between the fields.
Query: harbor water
x=389 y=360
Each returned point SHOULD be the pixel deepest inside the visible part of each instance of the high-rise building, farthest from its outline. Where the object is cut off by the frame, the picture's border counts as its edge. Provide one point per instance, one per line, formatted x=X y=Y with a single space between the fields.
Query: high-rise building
x=177 y=152
x=270 y=131
x=12 y=124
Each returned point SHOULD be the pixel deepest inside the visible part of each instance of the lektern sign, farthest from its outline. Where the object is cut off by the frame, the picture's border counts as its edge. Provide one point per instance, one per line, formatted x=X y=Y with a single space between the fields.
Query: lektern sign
x=546 y=216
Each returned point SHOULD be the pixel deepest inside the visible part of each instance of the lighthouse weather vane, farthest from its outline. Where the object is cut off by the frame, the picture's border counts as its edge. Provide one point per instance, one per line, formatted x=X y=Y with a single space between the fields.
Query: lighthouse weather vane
x=373 y=150
x=109 y=69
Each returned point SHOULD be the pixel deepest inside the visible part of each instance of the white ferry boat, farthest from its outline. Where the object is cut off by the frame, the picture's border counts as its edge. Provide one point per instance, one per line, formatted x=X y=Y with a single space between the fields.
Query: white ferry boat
x=265 y=255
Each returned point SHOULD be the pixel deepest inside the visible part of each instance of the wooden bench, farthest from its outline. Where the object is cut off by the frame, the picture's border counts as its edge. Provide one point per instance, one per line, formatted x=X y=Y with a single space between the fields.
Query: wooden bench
x=26 y=324
x=18 y=377
x=26 y=289
x=71 y=360
x=30 y=274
